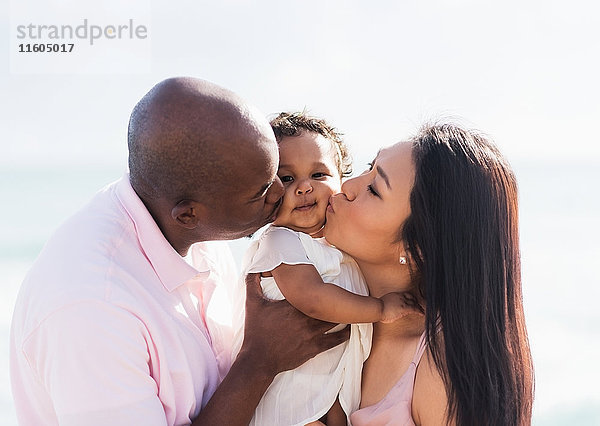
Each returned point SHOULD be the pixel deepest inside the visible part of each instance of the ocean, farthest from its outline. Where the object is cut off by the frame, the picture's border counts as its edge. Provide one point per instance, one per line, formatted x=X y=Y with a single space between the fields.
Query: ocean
x=560 y=235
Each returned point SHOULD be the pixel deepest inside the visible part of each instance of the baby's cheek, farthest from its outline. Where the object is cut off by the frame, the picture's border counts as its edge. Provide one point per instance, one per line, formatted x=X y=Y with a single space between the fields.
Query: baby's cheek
x=279 y=220
x=288 y=194
x=283 y=215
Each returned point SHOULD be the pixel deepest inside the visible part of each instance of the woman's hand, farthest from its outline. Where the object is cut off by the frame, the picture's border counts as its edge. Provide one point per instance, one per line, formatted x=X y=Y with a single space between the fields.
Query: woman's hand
x=278 y=337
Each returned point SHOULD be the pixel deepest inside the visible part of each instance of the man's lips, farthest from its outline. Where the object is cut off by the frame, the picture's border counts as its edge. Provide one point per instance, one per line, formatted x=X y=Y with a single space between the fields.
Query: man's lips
x=273 y=215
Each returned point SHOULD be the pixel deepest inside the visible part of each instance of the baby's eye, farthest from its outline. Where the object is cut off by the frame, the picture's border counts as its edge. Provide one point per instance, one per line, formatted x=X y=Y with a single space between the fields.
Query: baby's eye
x=286 y=179
x=319 y=175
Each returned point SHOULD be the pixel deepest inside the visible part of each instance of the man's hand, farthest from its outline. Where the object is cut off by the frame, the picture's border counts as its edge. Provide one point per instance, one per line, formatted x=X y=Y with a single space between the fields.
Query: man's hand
x=399 y=305
x=278 y=337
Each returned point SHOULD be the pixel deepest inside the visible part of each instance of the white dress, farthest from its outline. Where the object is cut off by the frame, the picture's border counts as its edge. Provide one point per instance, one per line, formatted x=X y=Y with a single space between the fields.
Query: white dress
x=299 y=396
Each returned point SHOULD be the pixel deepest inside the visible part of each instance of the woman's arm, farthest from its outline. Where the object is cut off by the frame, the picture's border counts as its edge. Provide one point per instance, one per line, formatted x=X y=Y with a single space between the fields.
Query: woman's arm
x=303 y=287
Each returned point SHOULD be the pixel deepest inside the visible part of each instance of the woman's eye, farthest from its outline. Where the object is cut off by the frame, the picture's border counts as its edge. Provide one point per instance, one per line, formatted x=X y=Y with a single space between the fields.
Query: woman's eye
x=372 y=190
x=286 y=179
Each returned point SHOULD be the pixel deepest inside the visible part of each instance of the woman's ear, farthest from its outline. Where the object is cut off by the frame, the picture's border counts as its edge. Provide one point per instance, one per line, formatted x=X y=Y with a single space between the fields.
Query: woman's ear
x=402 y=254
x=188 y=213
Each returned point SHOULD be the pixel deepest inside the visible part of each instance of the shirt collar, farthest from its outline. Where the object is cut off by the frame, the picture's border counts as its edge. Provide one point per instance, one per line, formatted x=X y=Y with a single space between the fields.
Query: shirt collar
x=171 y=269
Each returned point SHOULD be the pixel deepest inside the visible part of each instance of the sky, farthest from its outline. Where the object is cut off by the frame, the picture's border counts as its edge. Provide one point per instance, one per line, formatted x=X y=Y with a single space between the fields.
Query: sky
x=525 y=73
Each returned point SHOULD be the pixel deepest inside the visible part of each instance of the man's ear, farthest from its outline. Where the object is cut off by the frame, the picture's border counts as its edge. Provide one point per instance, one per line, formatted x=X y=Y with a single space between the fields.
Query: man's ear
x=188 y=213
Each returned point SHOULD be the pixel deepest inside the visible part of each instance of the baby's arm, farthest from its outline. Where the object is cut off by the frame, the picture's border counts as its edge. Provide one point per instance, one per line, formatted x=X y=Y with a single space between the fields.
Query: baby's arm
x=303 y=287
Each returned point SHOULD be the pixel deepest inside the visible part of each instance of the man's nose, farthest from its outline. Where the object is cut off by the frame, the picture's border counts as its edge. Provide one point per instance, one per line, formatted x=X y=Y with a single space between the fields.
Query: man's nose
x=304 y=187
x=275 y=191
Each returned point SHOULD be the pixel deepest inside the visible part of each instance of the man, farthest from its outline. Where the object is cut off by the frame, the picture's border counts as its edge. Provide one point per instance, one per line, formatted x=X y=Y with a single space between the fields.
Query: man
x=110 y=325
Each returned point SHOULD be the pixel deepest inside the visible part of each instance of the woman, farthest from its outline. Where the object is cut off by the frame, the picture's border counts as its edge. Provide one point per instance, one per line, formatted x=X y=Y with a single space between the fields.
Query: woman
x=437 y=217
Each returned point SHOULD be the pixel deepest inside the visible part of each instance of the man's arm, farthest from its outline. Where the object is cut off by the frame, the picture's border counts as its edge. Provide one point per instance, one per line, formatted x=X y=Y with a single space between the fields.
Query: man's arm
x=277 y=338
x=91 y=359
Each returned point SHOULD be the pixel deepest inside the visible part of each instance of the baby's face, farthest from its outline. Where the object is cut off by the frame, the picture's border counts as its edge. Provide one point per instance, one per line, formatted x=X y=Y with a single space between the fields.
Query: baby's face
x=309 y=174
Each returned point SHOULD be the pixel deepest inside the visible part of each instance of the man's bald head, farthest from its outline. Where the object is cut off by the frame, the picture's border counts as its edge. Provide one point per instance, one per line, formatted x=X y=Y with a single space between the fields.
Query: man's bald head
x=186 y=139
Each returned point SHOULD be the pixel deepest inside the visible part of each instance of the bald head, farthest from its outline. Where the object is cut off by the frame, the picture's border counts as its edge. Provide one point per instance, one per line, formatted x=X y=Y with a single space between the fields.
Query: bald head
x=186 y=139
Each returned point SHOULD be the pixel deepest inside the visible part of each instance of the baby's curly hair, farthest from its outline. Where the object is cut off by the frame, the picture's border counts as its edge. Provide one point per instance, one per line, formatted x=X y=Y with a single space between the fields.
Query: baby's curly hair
x=294 y=123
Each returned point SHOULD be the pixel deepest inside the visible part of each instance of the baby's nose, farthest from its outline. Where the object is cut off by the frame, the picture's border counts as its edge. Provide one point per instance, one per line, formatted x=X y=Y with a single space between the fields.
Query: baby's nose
x=304 y=188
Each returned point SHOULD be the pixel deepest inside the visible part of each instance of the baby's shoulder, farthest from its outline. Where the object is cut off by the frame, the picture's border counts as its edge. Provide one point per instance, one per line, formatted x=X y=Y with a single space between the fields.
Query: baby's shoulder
x=279 y=236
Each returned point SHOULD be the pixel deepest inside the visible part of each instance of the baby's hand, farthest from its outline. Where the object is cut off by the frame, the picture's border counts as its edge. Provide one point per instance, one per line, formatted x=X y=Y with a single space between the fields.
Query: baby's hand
x=398 y=305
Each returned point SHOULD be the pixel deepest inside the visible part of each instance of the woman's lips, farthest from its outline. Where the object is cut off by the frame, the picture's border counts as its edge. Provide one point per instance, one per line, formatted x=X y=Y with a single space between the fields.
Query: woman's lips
x=330 y=206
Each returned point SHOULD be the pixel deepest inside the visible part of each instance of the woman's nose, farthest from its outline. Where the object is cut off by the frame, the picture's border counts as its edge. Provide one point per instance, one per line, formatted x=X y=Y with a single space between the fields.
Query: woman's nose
x=304 y=187
x=349 y=188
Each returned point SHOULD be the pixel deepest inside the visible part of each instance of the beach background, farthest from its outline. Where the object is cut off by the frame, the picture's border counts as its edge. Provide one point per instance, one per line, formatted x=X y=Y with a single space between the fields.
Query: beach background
x=524 y=73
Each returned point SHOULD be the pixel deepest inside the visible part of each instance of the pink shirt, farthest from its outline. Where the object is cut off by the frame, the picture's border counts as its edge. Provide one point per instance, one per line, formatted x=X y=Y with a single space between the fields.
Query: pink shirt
x=396 y=407
x=110 y=325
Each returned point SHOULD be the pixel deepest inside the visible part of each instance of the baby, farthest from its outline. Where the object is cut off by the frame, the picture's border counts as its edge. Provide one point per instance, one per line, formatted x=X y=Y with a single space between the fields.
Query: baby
x=297 y=264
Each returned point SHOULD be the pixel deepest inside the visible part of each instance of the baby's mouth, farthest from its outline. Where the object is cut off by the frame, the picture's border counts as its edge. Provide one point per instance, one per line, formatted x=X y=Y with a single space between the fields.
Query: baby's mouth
x=305 y=207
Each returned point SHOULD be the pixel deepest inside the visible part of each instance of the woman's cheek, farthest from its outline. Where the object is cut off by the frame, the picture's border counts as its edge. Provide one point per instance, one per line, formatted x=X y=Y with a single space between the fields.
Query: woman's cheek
x=334 y=228
x=353 y=217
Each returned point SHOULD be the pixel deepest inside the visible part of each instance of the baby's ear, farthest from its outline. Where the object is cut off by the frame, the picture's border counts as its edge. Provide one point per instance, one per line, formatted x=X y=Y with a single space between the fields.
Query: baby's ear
x=188 y=213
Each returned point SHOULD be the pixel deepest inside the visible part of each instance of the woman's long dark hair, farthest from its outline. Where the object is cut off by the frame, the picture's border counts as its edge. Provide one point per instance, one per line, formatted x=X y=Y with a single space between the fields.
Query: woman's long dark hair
x=463 y=237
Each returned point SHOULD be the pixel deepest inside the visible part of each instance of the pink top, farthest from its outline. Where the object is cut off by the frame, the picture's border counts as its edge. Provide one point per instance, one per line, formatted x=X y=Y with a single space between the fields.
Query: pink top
x=396 y=407
x=110 y=325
